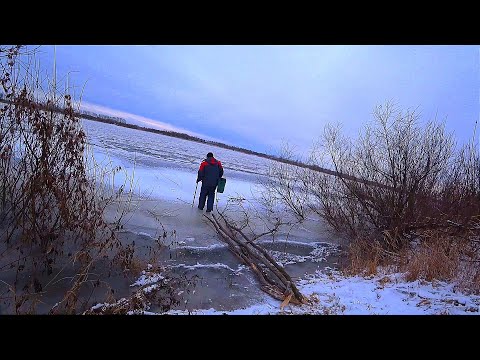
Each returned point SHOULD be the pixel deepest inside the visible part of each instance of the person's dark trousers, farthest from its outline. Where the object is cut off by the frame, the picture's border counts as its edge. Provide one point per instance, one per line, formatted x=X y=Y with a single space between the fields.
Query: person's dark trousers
x=204 y=192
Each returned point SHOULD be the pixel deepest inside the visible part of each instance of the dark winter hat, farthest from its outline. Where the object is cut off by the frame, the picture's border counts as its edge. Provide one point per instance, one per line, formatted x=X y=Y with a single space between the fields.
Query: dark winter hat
x=209 y=155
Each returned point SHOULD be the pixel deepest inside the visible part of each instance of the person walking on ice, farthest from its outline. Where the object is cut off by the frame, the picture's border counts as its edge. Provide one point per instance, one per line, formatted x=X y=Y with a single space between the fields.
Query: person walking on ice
x=209 y=173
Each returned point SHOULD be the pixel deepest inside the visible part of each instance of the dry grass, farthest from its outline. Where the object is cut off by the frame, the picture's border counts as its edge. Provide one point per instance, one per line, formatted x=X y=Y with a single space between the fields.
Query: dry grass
x=437 y=257
x=365 y=257
x=137 y=265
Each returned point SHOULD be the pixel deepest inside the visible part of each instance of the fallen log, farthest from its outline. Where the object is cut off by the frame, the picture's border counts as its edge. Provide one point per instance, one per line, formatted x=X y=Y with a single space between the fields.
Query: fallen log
x=273 y=278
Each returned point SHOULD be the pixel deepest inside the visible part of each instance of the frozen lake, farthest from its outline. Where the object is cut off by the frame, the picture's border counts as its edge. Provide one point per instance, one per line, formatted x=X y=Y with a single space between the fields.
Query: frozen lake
x=165 y=170
x=166 y=167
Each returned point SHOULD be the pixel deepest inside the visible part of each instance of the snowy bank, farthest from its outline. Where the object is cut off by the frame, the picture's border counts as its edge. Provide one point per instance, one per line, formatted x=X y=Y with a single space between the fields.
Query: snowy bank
x=335 y=294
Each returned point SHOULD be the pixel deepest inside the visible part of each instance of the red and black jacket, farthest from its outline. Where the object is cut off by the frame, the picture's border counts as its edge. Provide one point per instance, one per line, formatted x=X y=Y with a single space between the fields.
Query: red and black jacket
x=210 y=172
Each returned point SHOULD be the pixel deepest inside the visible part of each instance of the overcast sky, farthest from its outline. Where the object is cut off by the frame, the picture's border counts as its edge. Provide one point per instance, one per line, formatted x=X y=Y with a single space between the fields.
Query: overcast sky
x=258 y=96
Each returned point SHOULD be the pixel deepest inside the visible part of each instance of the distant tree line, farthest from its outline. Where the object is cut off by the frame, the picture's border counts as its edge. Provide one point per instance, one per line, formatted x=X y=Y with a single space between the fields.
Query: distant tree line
x=82 y=114
x=114 y=119
x=122 y=122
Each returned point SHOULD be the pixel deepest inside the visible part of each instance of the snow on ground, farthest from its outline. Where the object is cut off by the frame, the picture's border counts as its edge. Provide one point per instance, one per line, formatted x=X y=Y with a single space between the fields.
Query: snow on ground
x=335 y=294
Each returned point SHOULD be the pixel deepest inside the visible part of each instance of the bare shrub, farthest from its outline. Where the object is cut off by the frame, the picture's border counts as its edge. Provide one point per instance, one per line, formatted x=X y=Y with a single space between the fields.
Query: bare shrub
x=460 y=192
x=396 y=165
x=397 y=182
x=284 y=186
x=53 y=196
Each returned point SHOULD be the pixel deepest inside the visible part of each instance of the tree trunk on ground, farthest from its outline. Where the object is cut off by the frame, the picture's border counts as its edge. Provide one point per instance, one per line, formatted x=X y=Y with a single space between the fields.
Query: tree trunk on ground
x=274 y=280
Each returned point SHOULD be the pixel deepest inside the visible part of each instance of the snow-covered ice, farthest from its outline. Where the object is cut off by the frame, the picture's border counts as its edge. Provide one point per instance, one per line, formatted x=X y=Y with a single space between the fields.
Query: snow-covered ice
x=165 y=167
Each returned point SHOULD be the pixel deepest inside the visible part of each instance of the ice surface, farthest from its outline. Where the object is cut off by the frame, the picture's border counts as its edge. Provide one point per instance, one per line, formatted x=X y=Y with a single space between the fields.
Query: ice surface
x=166 y=168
